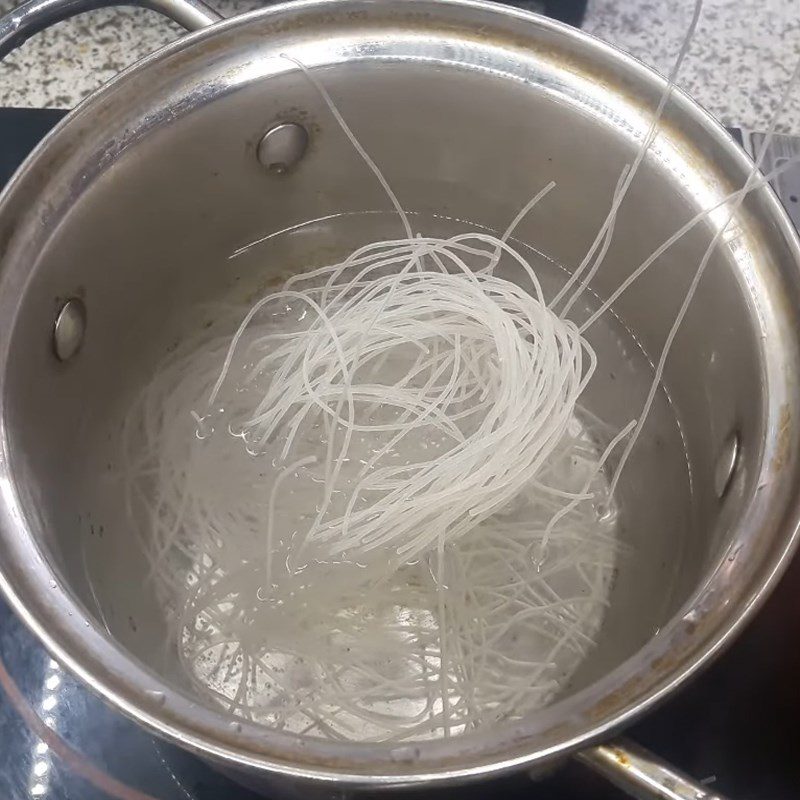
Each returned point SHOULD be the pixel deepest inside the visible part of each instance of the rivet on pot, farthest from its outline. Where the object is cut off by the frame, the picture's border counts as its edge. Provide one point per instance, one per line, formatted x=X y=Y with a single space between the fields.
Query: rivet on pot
x=282 y=147
x=726 y=464
x=69 y=329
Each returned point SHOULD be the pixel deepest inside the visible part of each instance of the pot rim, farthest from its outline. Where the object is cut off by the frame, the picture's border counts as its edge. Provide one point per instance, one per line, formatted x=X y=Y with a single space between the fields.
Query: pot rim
x=692 y=638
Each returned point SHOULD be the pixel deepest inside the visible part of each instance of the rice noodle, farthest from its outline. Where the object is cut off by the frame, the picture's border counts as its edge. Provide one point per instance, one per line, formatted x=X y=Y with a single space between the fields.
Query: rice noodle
x=423 y=411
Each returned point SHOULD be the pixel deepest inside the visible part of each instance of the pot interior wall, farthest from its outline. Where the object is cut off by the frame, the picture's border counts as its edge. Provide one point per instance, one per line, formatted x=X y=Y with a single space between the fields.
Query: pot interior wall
x=150 y=235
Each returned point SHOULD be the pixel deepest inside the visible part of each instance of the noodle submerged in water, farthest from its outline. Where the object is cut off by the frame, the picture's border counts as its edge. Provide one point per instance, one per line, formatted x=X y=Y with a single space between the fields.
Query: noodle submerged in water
x=373 y=504
x=391 y=520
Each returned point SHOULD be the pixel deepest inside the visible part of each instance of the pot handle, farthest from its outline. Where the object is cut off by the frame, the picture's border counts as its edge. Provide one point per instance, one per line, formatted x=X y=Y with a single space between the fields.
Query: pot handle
x=642 y=775
x=36 y=15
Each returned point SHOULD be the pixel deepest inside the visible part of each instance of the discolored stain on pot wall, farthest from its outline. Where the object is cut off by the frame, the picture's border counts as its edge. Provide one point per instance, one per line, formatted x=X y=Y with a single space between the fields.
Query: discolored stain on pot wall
x=782 y=451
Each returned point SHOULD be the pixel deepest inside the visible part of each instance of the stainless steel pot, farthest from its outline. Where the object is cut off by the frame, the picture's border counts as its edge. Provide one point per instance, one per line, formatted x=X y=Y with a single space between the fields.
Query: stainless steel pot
x=130 y=208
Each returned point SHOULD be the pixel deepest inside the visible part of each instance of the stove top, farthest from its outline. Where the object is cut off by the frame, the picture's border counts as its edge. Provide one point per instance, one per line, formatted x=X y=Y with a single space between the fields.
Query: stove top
x=735 y=727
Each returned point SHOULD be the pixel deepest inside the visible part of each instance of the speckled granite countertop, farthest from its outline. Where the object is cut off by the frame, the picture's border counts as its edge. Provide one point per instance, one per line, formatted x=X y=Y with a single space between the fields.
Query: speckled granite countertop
x=741 y=55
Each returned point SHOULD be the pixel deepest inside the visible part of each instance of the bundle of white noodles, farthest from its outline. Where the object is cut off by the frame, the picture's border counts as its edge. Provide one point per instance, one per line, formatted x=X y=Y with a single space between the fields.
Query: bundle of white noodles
x=406 y=340
x=390 y=520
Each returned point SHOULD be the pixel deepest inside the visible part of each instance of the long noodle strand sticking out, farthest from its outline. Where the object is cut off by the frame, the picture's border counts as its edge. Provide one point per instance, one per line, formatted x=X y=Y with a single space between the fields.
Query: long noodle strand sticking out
x=607 y=228
x=374 y=503
x=752 y=179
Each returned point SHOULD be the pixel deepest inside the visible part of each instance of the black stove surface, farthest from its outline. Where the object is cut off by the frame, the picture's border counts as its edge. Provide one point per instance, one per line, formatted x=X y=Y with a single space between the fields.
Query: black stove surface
x=735 y=727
